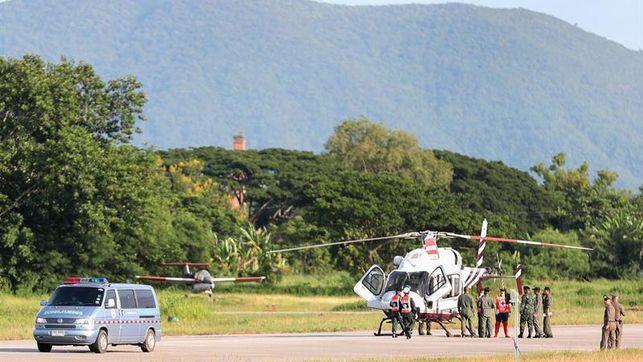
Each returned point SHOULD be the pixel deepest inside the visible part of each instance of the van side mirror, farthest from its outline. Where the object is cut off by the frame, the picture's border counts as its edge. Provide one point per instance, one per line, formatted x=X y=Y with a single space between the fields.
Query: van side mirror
x=111 y=303
x=43 y=303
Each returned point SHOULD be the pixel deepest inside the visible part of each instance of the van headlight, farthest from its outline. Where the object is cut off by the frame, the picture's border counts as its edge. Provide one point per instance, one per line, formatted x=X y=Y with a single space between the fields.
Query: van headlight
x=41 y=320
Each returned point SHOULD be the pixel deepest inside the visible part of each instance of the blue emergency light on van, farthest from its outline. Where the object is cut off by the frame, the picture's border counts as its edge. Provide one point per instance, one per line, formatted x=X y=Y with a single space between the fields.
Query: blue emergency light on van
x=95 y=313
x=75 y=280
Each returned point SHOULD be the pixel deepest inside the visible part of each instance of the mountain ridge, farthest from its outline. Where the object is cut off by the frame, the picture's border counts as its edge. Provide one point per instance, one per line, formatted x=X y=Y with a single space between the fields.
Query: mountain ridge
x=505 y=84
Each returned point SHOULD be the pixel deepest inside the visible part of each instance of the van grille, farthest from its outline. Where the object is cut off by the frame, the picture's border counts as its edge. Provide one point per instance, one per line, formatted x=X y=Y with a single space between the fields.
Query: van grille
x=60 y=326
x=65 y=320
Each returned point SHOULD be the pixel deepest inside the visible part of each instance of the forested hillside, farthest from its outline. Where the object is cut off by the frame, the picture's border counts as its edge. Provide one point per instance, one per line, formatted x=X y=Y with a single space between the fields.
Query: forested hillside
x=510 y=85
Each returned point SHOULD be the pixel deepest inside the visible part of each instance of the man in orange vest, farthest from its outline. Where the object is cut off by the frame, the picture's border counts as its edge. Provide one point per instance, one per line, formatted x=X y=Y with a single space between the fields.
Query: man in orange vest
x=395 y=312
x=502 y=312
x=407 y=309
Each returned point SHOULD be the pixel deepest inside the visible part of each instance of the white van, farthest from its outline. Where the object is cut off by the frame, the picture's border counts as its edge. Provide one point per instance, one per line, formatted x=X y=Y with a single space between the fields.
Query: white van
x=93 y=312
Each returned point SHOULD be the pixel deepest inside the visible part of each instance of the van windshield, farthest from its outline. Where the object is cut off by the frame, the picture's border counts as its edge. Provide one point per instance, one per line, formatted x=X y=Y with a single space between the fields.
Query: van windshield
x=77 y=296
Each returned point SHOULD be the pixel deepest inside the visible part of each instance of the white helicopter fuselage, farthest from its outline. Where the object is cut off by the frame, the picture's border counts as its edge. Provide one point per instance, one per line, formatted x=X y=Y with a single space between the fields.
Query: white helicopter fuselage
x=436 y=278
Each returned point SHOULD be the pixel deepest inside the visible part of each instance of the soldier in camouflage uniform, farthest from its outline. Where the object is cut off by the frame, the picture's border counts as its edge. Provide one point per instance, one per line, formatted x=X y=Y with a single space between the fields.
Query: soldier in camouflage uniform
x=527 y=306
x=538 y=313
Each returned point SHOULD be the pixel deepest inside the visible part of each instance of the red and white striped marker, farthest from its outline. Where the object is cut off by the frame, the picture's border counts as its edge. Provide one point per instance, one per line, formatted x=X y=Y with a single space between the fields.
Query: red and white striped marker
x=482 y=245
x=518 y=279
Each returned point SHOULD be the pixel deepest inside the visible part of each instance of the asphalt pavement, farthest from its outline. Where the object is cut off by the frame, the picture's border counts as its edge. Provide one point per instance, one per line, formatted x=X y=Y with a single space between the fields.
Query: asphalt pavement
x=321 y=346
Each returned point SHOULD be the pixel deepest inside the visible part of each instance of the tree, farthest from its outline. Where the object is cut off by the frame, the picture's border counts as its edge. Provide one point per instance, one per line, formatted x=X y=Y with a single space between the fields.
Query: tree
x=553 y=263
x=365 y=146
x=75 y=197
x=577 y=202
x=618 y=243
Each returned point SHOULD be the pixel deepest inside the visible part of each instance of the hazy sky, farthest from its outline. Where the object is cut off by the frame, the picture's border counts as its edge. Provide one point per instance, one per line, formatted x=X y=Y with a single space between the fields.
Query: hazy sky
x=618 y=20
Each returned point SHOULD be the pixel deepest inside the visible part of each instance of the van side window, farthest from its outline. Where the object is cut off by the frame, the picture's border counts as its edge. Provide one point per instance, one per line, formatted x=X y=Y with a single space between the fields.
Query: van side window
x=145 y=298
x=128 y=301
x=111 y=294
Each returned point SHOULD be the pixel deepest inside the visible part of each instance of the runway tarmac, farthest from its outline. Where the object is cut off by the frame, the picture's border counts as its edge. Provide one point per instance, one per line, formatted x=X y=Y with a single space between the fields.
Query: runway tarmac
x=321 y=346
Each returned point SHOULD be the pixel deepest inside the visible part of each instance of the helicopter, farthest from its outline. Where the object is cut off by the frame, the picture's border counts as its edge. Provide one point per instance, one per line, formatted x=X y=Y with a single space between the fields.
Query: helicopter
x=436 y=275
x=199 y=282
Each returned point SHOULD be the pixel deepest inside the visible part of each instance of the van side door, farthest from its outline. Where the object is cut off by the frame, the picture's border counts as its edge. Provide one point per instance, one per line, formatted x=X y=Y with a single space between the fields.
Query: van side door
x=112 y=316
x=129 y=316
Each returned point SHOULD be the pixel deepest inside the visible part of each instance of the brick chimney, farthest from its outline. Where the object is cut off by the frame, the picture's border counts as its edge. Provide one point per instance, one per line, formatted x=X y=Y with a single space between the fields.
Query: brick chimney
x=238 y=142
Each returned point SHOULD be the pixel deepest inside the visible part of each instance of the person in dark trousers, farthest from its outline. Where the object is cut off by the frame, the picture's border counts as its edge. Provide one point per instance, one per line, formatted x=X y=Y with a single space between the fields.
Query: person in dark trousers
x=547 y=312
x=480 y=318
x=395 y=312
x=465 y=308
x=407 y=309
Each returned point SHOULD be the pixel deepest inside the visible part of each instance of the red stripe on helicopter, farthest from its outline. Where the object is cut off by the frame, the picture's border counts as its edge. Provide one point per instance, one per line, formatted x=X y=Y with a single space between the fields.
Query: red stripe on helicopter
x=430 y=245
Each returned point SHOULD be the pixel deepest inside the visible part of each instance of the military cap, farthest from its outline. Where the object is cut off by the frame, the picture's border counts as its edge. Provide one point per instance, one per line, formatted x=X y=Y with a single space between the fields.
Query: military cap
x=615 y=294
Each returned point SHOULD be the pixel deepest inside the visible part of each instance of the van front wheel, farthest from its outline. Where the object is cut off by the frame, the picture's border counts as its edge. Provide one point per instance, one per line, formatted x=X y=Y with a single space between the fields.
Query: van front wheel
x=150 y=341
x=100 y=346
x=44 y=347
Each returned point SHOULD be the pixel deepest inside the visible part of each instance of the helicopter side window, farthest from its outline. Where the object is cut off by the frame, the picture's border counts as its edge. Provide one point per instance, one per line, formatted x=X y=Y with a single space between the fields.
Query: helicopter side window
x=454 y=279
x=437 y=281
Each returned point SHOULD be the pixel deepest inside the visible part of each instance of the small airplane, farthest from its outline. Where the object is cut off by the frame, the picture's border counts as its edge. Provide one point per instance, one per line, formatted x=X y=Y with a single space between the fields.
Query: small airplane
x=199 y=282
x=436 y=275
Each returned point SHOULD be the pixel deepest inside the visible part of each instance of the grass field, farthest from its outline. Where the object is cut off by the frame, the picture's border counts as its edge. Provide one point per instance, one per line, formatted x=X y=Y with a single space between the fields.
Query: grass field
x=317 y=304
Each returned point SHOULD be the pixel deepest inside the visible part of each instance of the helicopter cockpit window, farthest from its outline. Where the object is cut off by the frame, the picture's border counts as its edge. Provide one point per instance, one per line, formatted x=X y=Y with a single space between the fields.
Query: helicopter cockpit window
x=396 y=280
x=418 y=282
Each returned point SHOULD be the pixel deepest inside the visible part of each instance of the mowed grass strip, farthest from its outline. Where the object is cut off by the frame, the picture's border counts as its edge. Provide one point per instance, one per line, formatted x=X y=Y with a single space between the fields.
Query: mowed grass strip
x=622 y=355
x=260 y=309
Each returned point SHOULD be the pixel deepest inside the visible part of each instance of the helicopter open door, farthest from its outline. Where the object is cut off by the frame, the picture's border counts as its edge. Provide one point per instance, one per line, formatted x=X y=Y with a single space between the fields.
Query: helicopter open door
x=372 y=283
x=439 y=287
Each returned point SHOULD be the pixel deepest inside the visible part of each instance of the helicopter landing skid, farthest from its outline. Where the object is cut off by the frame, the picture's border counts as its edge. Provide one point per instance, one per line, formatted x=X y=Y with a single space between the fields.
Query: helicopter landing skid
x=379 y=330
x=445 y=328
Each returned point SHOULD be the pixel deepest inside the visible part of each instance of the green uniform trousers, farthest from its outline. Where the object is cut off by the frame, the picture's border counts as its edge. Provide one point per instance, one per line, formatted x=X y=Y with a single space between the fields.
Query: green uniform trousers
x=529 y=320
x=465 y=321
x=547 y=326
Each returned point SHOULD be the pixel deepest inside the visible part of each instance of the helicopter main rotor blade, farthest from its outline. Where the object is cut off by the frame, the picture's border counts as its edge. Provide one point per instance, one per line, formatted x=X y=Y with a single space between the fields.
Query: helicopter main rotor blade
x=516 y=241
x=401 y=236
